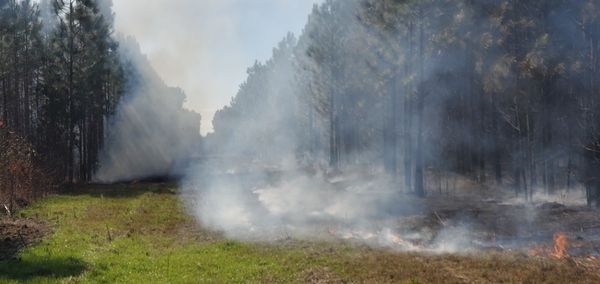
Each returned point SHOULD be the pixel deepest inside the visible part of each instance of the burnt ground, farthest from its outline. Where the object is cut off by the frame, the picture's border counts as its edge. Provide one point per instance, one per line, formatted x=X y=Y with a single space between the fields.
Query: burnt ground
x=469 y=215
x=18 y=233
x=492 y=218
x=455 y=224
x=500 y=225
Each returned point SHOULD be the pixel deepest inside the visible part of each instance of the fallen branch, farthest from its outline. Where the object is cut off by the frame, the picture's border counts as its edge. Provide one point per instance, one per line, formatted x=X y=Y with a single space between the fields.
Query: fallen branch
x=572 y=261
x=7 y=211
x=22 y=239
x=590 y=227
x=439 y=219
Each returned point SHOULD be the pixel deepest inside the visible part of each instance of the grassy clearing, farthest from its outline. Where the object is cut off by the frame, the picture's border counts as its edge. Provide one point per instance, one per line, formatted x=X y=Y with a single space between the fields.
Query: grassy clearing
x=137 y=233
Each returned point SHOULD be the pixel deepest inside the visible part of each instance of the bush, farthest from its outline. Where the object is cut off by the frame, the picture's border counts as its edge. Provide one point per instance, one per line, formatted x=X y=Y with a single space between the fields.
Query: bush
x=21 y=179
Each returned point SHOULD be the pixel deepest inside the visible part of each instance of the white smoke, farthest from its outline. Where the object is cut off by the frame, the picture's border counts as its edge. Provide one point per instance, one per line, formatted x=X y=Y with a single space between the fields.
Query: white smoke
x=205 y=46
x=150 y=133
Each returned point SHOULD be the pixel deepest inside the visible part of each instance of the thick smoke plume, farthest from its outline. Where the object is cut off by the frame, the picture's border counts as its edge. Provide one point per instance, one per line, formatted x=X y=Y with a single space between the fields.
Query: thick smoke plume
x=204 y=46
x=254 y=203
x=150 y=135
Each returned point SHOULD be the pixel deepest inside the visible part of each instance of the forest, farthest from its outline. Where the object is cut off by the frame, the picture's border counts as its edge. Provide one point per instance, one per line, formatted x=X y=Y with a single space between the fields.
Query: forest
x=66 y=84
x=497 y=91
x=392 y=141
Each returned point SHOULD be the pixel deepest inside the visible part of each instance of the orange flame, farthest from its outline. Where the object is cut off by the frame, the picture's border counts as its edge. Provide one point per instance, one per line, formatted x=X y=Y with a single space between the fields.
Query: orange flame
x=560 y=240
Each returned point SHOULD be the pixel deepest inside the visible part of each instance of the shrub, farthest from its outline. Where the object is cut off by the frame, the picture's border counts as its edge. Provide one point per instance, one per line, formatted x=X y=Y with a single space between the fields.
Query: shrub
x=21 y=179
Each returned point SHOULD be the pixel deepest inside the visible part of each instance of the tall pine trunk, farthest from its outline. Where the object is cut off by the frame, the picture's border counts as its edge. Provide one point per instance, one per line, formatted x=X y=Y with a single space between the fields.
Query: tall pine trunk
x=419 y=187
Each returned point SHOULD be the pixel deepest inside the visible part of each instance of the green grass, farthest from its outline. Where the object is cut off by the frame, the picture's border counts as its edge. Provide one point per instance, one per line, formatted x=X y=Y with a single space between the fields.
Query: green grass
x=137 y=233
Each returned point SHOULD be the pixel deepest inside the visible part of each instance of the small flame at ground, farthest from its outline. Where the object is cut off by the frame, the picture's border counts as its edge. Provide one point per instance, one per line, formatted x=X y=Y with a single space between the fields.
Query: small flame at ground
x=560 y=240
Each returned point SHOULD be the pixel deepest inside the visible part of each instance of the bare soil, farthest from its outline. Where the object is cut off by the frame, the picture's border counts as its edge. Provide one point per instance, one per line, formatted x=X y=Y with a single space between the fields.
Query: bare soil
x=18 y=233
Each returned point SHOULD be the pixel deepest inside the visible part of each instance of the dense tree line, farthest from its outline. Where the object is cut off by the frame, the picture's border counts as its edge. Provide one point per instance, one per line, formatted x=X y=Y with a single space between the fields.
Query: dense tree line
x=62 y=76
x=502 y=91
x=60 y=80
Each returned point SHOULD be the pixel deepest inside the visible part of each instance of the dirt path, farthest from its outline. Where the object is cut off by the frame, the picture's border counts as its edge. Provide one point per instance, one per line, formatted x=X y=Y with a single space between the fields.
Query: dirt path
x=17 y=233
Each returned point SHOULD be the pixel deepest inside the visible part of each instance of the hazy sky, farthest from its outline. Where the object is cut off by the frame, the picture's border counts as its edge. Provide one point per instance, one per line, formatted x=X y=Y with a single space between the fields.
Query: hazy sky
x=205 y=46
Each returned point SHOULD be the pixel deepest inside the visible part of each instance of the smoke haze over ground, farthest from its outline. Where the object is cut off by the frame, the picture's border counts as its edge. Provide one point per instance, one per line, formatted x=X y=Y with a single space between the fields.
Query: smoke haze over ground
x=270 y=174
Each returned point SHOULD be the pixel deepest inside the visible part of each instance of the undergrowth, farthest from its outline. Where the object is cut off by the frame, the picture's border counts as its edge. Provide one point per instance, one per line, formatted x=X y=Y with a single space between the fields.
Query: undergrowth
x=22 y=179
x=137 y=233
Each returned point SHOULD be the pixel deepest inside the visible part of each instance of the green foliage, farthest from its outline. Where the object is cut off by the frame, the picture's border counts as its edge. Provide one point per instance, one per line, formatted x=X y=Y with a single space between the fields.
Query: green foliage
x=130 y=234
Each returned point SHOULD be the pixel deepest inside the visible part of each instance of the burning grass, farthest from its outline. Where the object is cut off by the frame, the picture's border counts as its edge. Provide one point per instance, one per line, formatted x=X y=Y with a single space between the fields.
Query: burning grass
x=138 y=233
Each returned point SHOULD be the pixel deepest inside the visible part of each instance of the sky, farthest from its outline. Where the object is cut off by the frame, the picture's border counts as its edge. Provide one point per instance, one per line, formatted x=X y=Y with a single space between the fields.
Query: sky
x=206 y=46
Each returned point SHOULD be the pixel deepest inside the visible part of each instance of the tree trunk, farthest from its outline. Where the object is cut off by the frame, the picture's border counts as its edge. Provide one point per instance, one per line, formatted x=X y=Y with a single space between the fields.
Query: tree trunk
x=71 y=114
x=419 y=188
x=390 y=134
x=408 y=149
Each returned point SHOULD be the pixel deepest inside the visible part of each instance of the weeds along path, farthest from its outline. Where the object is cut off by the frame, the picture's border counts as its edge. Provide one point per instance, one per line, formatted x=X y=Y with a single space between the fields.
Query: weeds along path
x=138 y=233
